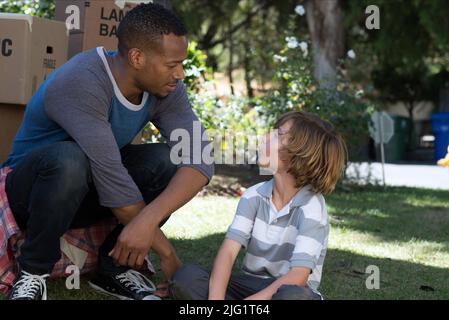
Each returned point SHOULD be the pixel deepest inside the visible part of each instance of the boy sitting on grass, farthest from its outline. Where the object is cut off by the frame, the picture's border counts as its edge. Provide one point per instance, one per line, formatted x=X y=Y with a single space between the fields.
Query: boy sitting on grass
x=282 y=223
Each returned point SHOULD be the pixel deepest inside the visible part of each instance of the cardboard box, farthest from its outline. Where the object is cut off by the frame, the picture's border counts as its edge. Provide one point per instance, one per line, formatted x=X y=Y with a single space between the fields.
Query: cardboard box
x=97 y=22
x=11 y=116
x=31 y=48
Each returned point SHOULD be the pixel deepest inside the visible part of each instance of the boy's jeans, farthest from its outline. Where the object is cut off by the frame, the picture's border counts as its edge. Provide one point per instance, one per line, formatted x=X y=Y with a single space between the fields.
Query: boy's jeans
x=51 y=191
x=191 y=282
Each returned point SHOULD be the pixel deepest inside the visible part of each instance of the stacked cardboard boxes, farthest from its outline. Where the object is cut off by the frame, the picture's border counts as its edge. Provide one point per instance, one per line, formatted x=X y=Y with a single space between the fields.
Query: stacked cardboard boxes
x=31 y=48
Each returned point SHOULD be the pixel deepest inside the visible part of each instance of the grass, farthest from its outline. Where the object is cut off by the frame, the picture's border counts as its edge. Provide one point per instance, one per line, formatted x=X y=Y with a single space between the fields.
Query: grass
x=402 y=231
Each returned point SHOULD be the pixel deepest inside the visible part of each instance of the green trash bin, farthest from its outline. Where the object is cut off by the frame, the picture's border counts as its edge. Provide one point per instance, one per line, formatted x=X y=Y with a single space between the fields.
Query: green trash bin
x=396 y=148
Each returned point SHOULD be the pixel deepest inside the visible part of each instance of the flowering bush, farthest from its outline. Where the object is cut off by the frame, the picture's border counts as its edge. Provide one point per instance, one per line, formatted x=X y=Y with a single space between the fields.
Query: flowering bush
x=232 y=114
x=195 y=68
x=296 y=89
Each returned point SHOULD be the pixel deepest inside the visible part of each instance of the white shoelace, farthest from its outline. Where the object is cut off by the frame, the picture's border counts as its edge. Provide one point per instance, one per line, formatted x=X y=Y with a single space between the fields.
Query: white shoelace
x=29 y=285
x=136 y=281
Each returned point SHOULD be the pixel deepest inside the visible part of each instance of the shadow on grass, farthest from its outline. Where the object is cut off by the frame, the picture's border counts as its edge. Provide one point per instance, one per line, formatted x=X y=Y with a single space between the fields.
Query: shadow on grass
x=396 y=214
x=344 y=275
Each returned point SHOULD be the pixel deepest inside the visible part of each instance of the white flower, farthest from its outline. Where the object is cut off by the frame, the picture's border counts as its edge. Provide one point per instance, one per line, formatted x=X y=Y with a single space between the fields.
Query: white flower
x=292 y=43
x=351 y=54
x=359 y=94
x=300 y=10
x=294 y=87
x=304 y=48
x=193 y=71
x=279 y=58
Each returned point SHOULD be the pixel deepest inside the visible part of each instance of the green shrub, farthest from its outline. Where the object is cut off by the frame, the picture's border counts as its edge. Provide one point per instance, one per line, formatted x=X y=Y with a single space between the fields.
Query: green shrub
x=39 y=8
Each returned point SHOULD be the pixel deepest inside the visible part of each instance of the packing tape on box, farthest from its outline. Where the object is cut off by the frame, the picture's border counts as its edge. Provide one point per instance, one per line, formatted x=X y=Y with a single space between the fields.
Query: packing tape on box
x=18 y=16
x=121 y=3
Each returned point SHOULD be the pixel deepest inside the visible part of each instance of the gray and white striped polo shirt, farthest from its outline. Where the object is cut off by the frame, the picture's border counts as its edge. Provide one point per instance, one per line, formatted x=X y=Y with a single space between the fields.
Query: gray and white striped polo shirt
x=295 y=236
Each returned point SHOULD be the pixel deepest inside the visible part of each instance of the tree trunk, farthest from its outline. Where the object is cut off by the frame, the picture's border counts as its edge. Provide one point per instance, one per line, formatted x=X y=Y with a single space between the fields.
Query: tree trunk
x=411 y=133
x=325 y=22
x=247 y=61
x=231 y=63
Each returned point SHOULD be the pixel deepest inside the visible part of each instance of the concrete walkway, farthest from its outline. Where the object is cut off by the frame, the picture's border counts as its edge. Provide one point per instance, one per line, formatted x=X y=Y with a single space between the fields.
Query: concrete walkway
x=423 y=176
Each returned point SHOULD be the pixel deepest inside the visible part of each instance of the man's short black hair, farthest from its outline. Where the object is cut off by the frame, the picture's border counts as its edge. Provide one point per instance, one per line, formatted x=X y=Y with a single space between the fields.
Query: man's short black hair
x=143 y=27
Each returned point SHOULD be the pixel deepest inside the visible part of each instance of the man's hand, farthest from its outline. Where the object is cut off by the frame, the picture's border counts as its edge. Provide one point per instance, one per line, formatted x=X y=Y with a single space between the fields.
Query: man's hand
x=142 y=222
x=134 y=242
x=169 y=265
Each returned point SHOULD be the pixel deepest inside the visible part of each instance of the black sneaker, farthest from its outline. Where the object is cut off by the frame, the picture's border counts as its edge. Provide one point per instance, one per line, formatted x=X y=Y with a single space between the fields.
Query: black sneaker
x=129 y=285
x=29 y=287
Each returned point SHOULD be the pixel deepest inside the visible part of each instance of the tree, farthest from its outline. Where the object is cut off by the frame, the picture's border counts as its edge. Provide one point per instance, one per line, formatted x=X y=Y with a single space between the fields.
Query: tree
x=407 y=58
x=325 y=23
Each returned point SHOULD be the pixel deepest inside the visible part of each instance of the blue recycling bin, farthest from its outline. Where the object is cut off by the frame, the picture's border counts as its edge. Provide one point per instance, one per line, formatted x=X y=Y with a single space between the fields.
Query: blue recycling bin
x=440 y=128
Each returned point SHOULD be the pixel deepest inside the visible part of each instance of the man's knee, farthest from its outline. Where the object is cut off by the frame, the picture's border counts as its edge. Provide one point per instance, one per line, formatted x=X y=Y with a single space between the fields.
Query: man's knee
x=153 y=168
x=68 y=162
x=292 y=292
x=165 y=165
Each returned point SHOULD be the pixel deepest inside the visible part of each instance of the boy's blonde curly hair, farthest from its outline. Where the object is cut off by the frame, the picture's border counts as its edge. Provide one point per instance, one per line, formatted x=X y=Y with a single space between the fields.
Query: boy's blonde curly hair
x=315 y=153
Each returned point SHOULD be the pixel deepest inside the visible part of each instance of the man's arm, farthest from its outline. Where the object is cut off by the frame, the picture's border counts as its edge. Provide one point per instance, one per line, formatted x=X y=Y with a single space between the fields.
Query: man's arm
x=173 y=112
x=175 y=119
x=175 y=195
x=79 y=102
x=142 y=232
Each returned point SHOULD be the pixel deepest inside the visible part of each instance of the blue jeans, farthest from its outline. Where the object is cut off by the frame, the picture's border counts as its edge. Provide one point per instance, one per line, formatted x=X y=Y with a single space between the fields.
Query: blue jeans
x=51 y=191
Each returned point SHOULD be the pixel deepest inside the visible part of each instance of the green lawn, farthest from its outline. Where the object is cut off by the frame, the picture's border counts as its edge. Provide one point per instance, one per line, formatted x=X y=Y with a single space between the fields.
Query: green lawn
x=403 y=231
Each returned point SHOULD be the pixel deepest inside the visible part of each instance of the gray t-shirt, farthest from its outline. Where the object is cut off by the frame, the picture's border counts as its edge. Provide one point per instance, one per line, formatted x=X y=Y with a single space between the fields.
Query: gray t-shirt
x=81 y=101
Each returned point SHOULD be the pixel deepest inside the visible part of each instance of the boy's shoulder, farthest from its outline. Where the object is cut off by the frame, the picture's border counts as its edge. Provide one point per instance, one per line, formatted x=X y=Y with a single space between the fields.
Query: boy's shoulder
x=254 y=191
x=313 y=206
